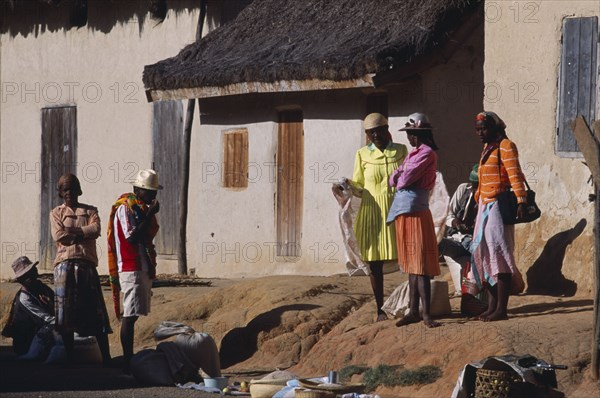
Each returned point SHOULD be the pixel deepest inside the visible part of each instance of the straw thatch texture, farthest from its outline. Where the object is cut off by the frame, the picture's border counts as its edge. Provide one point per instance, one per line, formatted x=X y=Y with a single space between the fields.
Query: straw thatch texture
x=275 y=40
x=26 y=17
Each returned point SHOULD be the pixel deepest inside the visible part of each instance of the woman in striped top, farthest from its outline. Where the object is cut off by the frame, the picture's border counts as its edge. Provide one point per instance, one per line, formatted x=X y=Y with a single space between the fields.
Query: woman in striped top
x=493 y=241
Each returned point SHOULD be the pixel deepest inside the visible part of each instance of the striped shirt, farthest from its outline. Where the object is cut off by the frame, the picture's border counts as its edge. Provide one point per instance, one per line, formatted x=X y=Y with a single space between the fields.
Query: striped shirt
x=130 y=256
x=495 y=178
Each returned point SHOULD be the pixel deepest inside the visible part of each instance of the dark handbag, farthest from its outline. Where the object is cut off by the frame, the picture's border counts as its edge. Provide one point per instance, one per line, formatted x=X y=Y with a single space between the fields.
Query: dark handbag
x=507 y=203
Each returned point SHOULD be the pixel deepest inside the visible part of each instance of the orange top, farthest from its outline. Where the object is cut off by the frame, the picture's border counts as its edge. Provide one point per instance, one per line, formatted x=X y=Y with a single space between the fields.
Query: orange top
x=495 y=178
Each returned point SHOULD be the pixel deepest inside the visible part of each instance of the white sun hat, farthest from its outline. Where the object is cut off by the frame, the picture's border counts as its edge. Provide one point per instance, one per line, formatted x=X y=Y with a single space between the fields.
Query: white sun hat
x=147 y=179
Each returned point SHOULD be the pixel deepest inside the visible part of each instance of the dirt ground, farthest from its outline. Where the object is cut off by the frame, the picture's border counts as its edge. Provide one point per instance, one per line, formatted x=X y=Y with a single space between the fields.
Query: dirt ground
x=309 y=325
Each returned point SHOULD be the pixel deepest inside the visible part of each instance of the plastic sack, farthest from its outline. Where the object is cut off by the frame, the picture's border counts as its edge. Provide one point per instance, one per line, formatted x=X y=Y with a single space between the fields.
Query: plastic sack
x=168 y=329
x=397 y=304
x=181 y=359
x=349 y=205
x=438 y=205
x=182 y=368
x=85 y=351
x=199 y=348
x=202 y=351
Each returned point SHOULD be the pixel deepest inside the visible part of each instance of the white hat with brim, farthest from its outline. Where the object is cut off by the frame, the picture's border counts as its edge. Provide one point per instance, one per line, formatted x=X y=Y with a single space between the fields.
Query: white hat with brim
x=147 y=179
x=417 y=121
x=22 y=265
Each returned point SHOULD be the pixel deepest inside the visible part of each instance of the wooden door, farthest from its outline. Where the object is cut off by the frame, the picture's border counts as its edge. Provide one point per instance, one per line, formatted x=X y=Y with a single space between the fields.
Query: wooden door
x=290 y=183
x=59 y=156
x=167 y=136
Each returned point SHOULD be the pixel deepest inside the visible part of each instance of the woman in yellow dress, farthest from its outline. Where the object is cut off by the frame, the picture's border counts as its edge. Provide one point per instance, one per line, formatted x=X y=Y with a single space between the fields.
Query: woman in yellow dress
x=373 y=166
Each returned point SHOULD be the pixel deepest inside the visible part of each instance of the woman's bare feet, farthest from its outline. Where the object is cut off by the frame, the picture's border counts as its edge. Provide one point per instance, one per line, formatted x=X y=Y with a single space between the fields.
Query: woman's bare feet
x=496 y=316
x=381 y=317
x=481 y=316
x=408 y=319
x=430 y=323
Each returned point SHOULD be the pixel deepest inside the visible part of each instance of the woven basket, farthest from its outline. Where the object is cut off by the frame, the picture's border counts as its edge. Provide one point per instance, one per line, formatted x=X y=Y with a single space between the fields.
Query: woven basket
x=266 y=388
x=495 y=383
x=314 y=394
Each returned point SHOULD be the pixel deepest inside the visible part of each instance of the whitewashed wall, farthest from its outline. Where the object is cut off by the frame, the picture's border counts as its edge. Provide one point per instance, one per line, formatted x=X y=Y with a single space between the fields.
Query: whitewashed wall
x=522 y=55
x=100 y=73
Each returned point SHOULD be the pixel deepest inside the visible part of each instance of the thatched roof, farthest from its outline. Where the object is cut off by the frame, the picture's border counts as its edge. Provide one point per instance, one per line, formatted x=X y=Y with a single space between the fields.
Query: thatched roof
x=34 y=16
x=158 y=8
x=275 y=41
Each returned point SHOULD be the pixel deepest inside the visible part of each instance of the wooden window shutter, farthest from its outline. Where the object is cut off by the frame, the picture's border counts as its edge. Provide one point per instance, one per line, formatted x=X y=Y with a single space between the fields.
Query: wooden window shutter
x=235 y=159
x=577 y=80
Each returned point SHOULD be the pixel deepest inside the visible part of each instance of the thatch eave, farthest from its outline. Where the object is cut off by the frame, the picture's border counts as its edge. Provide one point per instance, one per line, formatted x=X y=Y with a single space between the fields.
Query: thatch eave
x=273 y=44
x=257 y=88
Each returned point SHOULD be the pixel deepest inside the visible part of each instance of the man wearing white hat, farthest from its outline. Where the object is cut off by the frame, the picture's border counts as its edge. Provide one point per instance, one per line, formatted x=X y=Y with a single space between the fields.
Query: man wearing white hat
x=131 y=255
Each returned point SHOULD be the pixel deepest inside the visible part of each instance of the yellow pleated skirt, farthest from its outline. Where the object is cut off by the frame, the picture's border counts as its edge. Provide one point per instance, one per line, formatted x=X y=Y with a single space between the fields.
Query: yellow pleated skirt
x=417 y=244
x=377 y=241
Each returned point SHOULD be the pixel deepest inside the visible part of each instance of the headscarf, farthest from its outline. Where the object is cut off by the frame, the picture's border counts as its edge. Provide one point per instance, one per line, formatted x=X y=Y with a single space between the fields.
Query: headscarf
x=492 y=120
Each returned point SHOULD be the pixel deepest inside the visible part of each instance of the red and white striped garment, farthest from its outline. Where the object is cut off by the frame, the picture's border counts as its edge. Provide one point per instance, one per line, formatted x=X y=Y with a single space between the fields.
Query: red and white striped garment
x=130 y=256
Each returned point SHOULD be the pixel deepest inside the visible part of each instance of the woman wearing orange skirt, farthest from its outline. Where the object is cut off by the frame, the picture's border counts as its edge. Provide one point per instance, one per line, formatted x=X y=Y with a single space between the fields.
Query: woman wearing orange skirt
x=415 y=233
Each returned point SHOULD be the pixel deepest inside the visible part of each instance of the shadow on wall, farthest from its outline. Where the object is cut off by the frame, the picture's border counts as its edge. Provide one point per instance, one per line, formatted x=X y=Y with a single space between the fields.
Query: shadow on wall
x=545 y=275
x=241 y=343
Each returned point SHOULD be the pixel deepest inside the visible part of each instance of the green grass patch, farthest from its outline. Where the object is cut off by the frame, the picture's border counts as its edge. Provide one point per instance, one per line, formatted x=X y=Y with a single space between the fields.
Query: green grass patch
x=423 y=375
x=391 y=376
x=347 y=372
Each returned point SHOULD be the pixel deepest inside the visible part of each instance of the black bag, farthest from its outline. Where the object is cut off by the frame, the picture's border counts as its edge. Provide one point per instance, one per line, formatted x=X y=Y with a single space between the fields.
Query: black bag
x=507 y=203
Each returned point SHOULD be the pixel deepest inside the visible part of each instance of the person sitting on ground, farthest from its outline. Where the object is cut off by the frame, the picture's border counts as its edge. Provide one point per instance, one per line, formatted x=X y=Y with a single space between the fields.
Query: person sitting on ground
x=32 y=310
x=456 y=245
x=461 y=218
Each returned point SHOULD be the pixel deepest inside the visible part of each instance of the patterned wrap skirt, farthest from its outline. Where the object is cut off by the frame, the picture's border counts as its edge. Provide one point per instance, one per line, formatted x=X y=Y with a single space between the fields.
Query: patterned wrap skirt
x=417 y=244
x=78 y=299
x=493 y=245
